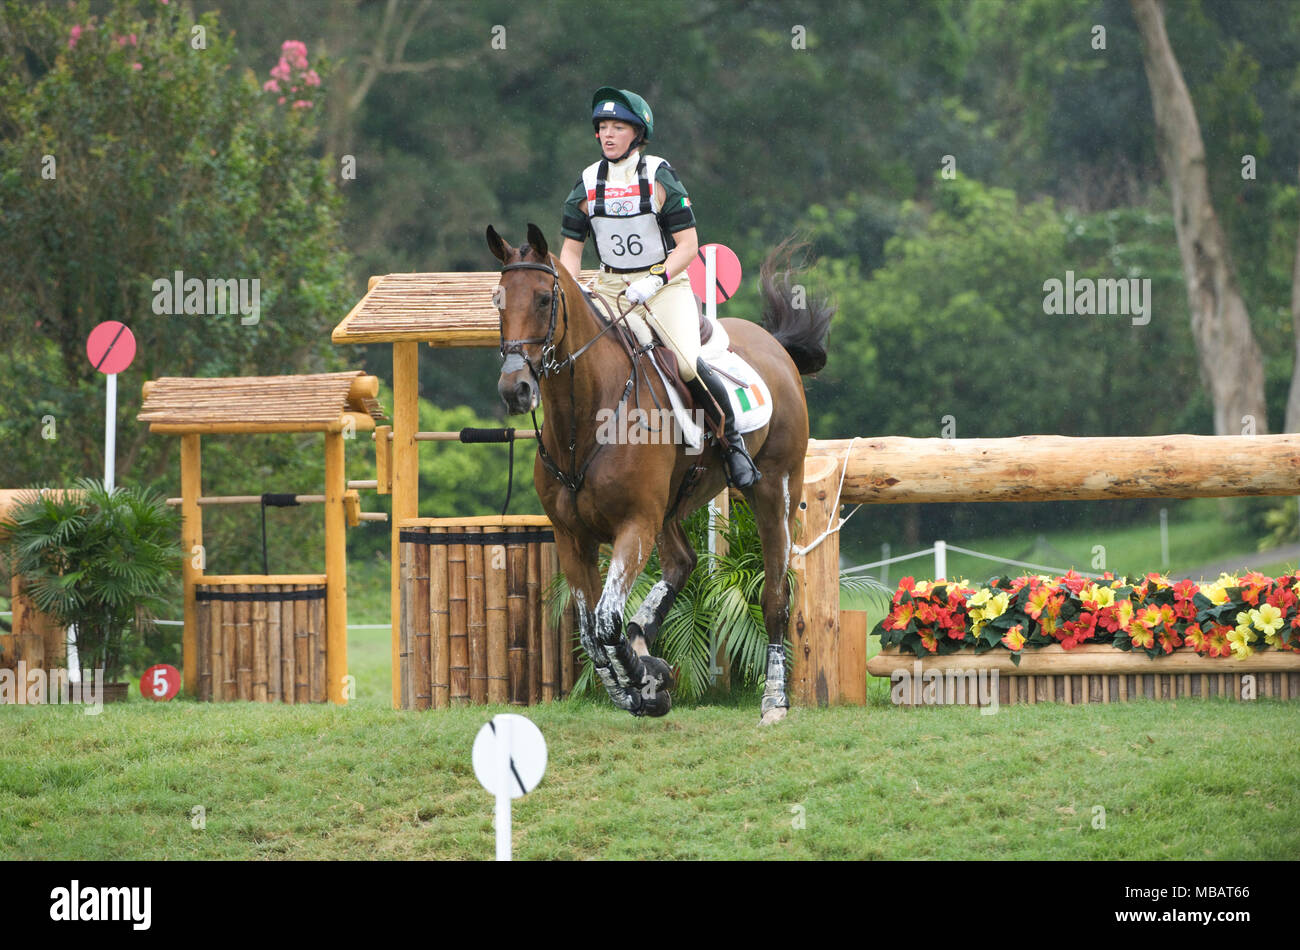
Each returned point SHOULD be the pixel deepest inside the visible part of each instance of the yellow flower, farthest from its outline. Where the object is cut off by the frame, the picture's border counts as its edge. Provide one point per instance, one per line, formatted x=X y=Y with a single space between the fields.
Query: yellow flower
x=997 y=606
x=1097 y=596
x=1268 y=620
x=980 y=598
x=1217 y=593
x=1240 y=640
x=921 y=587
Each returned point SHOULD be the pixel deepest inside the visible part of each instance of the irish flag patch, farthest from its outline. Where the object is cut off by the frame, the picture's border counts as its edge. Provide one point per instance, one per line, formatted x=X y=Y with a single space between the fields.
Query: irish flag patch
x=749 y=397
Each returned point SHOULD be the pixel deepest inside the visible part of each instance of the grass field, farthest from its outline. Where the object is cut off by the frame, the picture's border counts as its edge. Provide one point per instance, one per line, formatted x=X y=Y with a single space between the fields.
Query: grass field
x=1183 y=780
x=1186 y=780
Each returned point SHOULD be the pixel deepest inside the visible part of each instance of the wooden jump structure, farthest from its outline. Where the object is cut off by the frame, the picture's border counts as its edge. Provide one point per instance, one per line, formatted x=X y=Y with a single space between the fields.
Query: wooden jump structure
x=441 y=310
x=233 y=660
x=830 y=659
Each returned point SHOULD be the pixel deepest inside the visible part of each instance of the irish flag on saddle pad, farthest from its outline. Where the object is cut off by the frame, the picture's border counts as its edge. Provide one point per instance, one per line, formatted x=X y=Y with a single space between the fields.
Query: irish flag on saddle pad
x=751 y=400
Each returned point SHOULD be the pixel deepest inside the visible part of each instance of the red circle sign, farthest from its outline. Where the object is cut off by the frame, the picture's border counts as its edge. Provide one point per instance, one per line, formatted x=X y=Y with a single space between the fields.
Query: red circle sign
x=727 y=272
x=160 y=682
x=111 y=346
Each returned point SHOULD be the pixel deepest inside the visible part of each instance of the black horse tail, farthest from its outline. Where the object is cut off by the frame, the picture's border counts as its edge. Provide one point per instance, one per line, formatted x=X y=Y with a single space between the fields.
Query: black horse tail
x=799 y=322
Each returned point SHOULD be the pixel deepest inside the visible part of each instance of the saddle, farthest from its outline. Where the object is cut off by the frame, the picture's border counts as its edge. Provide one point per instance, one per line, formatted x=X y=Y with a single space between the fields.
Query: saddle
x=665 y=359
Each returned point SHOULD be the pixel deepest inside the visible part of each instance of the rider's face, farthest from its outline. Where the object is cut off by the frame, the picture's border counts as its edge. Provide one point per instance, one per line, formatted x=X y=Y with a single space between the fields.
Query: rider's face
x=615 y=137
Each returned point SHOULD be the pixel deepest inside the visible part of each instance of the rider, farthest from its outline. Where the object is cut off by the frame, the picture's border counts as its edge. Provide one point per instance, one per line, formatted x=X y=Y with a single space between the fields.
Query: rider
x=633 y=223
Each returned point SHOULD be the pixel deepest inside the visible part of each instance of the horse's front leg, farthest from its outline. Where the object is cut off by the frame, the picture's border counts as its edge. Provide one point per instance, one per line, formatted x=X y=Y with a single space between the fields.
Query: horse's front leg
x=578 y=560
x=645 y=678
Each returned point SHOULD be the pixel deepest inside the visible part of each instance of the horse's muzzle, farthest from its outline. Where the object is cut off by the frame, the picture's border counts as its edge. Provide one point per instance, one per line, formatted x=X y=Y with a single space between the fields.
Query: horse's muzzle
x=517 y=388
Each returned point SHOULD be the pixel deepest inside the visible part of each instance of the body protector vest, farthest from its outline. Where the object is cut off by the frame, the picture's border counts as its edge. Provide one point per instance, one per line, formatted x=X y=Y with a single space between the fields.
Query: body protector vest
x=623 y=216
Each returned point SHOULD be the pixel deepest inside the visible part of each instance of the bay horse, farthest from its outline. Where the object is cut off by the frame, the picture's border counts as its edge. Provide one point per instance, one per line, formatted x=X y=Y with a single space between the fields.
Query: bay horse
x=554 y=348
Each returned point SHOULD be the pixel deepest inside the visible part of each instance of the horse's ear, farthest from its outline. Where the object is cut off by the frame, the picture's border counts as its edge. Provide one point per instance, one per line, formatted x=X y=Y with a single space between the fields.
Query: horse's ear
x=497 y=245
x=537 y=240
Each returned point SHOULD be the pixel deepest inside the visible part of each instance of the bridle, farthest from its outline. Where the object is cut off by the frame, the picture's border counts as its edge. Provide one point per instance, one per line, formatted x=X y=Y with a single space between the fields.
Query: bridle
x=516 y=347
x=550 y=366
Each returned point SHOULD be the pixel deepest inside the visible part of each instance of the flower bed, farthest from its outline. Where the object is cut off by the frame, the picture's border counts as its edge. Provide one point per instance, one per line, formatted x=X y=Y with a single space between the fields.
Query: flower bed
x=1231 y=617
x=1084 y=640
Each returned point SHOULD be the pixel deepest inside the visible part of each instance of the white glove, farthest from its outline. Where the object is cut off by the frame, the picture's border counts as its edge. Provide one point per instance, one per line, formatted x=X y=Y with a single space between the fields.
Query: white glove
x=642 y=290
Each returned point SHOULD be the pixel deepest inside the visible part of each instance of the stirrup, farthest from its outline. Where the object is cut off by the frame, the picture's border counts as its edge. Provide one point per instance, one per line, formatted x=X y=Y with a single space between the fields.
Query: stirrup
x=741 y=471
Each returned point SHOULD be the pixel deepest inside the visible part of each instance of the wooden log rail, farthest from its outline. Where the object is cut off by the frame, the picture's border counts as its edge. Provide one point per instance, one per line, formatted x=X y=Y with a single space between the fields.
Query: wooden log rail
x=895 y=470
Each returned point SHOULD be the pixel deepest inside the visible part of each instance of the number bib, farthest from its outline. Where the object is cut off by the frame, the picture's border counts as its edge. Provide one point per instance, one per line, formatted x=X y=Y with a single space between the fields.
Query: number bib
x=632 y=243
x=623 y=221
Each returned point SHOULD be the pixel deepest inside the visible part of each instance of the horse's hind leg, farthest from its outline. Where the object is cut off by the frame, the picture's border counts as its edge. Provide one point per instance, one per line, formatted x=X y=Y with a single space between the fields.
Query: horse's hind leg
x=775 y=500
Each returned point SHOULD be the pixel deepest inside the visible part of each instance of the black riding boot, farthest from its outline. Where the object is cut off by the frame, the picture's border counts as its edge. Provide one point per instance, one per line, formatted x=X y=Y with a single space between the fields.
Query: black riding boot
x=741 y=470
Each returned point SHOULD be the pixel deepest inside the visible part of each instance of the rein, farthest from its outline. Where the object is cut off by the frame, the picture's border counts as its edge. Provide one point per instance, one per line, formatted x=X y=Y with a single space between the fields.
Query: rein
x=549 y=366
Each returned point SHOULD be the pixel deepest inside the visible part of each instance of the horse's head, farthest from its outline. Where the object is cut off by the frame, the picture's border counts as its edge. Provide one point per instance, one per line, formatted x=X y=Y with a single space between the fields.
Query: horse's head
x=528 y=299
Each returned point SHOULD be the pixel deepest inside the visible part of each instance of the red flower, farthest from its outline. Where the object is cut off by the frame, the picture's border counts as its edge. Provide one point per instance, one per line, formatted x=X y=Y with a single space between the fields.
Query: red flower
x=1073 y=582
x=1083 y=627
x=1184 y=590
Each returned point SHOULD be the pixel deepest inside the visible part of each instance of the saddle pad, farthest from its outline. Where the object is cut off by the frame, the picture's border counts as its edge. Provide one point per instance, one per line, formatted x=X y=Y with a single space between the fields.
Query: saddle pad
x=751 y=400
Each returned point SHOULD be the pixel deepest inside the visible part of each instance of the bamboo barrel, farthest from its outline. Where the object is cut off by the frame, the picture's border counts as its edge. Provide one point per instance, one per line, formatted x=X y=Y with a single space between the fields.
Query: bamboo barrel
x=476 y=589
x=261 y=642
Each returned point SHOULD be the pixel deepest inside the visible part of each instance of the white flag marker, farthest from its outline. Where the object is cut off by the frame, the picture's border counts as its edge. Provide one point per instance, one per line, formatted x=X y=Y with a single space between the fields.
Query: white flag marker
x=509 y=759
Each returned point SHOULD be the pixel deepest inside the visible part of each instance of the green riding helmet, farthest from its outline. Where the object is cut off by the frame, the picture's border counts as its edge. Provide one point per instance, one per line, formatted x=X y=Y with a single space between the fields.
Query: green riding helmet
x=622 y=104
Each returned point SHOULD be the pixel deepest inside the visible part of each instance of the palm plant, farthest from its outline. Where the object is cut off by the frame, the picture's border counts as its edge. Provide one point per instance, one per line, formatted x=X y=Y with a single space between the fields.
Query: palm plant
x=723 y=594
x=99 y=560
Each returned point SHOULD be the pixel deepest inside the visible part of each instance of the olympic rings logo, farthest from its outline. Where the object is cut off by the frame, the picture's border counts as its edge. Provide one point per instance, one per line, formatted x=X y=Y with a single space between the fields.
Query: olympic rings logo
x=624 y=206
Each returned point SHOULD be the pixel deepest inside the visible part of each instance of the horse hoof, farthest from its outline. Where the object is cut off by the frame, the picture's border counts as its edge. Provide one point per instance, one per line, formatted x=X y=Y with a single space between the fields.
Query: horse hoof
x=658 y=706
x=773 y=716
x=657 y=669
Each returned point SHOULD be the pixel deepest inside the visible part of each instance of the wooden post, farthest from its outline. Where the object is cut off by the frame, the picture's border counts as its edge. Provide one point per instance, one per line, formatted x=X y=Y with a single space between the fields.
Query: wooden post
x=383 y=460
x=191 y=538
x=336 y=571
x=853 y=657
x=406 y=478
x=814 y=609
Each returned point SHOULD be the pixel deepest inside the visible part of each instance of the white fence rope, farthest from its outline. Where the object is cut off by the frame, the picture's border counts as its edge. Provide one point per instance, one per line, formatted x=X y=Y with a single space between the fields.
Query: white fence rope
x=800 y=549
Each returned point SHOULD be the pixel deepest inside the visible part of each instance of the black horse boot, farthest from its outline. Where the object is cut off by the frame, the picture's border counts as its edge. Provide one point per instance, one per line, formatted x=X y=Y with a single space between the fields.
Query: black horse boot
x=741 y=470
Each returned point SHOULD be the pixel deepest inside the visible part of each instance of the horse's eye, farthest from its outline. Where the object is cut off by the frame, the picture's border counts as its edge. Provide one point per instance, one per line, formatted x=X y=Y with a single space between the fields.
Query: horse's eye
x=544 y=300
